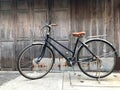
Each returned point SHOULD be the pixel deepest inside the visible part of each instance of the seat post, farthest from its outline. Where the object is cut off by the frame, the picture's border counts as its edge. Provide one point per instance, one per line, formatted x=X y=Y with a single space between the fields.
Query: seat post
x=75 y=46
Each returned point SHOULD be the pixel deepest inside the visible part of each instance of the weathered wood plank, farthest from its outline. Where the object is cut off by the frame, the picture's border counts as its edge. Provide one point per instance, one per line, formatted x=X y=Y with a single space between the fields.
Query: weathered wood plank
x=6 y=5
x=117 y=30
x=109 y=20
x=40 y=4
x=20 y=46
x=93 y=17
x=23 y=4
x=80 y=15
x=62 y=31
x=7 y=55
x=23 y=24
x=99 y=17
x=117 y=24
x=60 y=4
x=87 y=18
x=61 y=16
x=73 y=19
x=6 y=25
x=39 y=19
x=0 y=56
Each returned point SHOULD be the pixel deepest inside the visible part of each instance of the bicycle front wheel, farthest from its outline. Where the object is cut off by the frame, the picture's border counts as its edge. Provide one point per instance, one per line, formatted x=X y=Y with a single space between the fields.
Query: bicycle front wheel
x=28 y=65
x=101 y=66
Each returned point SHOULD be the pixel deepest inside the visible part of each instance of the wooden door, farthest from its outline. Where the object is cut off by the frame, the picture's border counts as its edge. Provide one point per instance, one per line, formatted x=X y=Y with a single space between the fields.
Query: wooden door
x=62 y=32
x=96 y=18
x=31 y=15
x=61 y=16
x=21 y=20
x=7 y=54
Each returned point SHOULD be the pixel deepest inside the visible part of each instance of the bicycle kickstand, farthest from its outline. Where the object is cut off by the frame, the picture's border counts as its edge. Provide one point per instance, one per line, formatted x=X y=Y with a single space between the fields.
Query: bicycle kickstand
x=72 y=66
x=98 y=79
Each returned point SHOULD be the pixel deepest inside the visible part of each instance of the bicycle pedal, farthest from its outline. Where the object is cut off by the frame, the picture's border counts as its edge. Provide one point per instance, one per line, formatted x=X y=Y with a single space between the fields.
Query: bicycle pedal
x=67 y=64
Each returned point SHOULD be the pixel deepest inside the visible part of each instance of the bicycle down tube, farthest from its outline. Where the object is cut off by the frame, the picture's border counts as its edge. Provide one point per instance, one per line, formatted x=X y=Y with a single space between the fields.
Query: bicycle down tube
x=48 y=42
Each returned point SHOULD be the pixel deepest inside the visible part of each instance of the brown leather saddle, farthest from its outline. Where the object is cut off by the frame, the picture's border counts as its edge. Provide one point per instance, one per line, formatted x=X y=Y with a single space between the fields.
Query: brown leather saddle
x=78 y=34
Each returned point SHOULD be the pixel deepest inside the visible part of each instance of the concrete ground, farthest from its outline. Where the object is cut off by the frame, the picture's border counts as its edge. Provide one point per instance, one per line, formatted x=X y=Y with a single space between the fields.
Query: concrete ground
x=58 y=81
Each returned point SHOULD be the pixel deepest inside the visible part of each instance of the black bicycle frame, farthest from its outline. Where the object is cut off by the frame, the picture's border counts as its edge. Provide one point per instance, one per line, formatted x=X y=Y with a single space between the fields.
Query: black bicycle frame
x=49 y=39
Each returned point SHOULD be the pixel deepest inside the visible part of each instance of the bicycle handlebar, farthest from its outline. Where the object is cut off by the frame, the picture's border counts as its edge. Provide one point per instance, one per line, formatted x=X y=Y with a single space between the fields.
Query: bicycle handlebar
x=49 y=26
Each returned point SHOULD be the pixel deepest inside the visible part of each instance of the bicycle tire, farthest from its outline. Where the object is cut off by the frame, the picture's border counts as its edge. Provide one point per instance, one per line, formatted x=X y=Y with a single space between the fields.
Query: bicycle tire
x=104 y=65
x=31 y=70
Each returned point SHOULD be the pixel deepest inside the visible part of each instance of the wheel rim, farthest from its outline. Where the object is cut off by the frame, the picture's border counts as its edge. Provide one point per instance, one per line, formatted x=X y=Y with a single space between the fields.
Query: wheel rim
x=106 y=59
x=28 y=68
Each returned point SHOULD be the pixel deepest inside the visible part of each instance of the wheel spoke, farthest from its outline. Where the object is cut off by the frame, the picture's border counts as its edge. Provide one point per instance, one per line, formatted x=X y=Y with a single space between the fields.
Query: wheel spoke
x=32 y=67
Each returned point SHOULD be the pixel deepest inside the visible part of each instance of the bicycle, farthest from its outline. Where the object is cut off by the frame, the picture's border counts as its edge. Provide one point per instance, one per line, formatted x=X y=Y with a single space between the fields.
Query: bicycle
x=96 y=57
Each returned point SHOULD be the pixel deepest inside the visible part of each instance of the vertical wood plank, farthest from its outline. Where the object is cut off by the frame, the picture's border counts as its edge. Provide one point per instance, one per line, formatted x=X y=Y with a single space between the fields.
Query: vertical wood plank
x=117 y=30
x=7 y=55
x=87 y=18
x=109 y=21
x=94 y=18
x=80 y=15
x=62 y=19
x=0 y=56
x=39 y=21
x=6 y=18
x=74 y=14
x=23 y=4
x=117 y=24
x=40 y=4
x=21 y=45
x=62 y=32
x=6 y=5
x=61 y=16
x=23 y=24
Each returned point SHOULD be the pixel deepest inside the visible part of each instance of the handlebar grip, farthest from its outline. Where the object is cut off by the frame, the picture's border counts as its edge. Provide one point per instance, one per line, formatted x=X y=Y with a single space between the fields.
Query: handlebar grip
x=53 y=24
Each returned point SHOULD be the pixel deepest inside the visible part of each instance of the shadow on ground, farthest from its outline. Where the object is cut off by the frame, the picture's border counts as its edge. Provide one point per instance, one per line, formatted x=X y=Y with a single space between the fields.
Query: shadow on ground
x=7 y=76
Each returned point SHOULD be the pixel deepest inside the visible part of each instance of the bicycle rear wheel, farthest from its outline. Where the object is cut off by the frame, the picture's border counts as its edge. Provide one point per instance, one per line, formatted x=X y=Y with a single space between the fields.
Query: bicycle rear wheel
x=28 y=65
x=101 y=66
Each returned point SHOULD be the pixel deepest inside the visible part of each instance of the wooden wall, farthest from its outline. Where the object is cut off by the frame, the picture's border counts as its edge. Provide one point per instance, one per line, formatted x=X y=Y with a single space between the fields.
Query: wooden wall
x=20 y=21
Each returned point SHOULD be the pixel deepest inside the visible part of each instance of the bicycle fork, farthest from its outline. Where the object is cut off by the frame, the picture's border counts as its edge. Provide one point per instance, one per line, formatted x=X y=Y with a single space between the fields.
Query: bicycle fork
x=38 y=59
x=41 y=55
